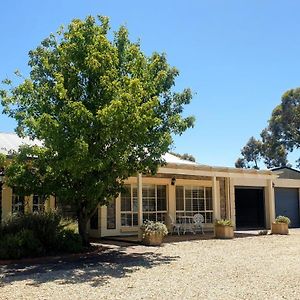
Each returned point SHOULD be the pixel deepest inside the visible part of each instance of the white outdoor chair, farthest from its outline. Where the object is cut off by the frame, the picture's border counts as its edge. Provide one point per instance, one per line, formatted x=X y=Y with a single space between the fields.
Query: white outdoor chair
x=176 y=227
x=198 y=222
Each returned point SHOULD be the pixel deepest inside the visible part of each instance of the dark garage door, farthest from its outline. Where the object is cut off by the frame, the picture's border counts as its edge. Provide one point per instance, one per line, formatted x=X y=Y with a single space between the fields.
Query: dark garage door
x=287 y=204
x=249 y=208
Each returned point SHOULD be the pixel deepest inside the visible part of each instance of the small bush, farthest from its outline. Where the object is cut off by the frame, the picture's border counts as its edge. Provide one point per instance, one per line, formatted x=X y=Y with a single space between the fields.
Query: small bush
x=223 y=222
x=69 y=241
x=36 y=234
x=21 y=244
x=44 y=225
x=283 y=219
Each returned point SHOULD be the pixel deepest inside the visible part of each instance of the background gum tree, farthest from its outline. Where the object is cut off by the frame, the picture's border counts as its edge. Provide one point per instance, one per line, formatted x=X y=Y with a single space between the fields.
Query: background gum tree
x=103 y=110
x=280 y=137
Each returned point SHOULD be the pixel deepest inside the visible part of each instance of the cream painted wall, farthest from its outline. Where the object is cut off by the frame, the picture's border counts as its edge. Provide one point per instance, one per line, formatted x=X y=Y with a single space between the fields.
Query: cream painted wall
x=6 y=202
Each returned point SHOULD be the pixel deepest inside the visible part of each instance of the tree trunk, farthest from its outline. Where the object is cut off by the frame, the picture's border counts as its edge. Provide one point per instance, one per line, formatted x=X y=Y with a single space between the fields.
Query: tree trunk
x=82 y=229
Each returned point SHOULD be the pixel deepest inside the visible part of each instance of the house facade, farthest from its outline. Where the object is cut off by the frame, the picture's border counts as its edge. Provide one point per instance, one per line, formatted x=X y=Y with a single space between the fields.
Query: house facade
x=183 y=188
x=250 y=198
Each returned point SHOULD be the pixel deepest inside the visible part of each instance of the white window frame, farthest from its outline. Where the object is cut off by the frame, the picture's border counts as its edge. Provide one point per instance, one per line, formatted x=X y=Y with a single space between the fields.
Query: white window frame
x=40 y=205
x=134 y=199
x=203 y=212
x=16 y=204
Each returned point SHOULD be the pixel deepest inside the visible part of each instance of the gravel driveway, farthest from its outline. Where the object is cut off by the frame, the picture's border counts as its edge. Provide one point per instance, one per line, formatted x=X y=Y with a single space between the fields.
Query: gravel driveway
x=257 y=267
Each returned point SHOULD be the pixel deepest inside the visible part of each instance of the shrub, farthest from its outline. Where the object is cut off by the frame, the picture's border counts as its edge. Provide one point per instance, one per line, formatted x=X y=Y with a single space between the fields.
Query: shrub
x=69 y=241
x=223 y=222
x=36 y=234
x=151 y=227
x=44 y=225
x=21 y=244
x=283 y=219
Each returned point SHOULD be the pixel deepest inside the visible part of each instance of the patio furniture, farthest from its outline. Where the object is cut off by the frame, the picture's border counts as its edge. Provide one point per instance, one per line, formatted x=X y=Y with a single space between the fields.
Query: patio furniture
x=176 y=227
x=198 y=220
x=187 y=224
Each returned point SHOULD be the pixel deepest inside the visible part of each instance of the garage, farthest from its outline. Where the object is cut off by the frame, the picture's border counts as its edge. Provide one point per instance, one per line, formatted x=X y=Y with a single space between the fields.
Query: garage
x=249 y=208
x=287 y=204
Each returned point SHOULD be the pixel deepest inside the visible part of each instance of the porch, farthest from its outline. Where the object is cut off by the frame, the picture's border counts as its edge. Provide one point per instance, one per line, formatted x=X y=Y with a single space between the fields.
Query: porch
x=173 y=238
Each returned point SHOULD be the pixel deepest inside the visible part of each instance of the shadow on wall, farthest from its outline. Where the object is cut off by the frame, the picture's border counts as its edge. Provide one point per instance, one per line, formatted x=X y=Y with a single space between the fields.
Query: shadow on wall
x=96 y=270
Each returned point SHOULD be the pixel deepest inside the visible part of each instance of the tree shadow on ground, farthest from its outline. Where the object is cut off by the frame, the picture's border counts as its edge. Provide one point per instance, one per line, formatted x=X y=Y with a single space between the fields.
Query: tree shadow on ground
x=95 y=270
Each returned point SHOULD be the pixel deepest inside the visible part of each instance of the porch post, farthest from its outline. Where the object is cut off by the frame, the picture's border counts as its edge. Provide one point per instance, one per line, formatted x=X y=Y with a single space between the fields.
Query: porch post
x=140 y=202
x=216 y=201
x=271 y=200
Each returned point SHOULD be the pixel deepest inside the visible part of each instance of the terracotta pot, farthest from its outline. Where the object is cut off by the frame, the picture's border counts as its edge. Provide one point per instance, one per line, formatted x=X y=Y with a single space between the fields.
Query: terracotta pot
x=280 y=228
x=224 y=232
x=153 y=240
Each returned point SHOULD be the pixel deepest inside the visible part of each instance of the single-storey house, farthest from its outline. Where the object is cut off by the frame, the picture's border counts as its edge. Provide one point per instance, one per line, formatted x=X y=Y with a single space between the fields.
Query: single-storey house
x=250 y=198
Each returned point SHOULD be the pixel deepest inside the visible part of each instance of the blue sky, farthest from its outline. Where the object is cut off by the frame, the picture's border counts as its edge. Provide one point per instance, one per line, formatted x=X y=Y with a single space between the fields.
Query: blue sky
x=238 y=57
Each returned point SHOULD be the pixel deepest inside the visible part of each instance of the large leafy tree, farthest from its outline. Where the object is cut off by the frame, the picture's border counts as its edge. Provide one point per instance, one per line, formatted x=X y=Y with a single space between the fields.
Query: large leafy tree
x=103 y=110
x=282 y=135
x=251 y=154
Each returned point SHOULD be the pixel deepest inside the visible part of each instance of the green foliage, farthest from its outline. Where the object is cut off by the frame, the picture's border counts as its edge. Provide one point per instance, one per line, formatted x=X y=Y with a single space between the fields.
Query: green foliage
x=103 y=109
x=2 y=159
x=69 y=224
x=45 y=225
x=21 y=244
x=184 y=156
x=251 y=154
x=223 y=222
x=36 y=234
x=282 y=134
x=282 y=219
x=151 y=227
x=69 y=241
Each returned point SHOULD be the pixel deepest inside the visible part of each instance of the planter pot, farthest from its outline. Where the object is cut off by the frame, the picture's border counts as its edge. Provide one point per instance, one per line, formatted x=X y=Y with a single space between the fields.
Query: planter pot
x=153 y=239
x=224 y=232
x=280 y=228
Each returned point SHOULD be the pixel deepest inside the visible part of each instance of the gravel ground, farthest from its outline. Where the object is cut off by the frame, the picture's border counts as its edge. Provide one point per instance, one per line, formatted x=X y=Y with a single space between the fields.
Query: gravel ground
x=257 y=267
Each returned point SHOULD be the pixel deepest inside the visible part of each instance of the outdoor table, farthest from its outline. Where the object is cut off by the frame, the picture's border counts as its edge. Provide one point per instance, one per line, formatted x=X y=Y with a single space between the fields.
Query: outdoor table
x=187 y=223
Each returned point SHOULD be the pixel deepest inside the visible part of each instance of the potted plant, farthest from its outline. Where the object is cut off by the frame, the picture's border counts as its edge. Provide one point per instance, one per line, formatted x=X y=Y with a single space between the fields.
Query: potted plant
x=153 y=233
x=223 y=229
x=281 y=225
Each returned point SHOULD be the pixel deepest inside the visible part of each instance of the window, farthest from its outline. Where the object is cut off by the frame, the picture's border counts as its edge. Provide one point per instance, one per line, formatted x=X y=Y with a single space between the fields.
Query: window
x=17 y=203
x=154 y=204
x=192 y=200
x=37 y=203
x=129 y=206
x=111 y=214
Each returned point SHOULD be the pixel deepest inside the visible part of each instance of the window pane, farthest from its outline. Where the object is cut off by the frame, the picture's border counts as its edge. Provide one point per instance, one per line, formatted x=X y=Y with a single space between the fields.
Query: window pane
x=126 y=219
x=188 y=192
x=208 y=192
x=179 y=198
x=161 y=198
x=18 y=203
x=209 y=204
x=161 y=217
x=135 y=220
x=35 y=200
x=208 y=217
x=152 y=217
x=126 y=199
x=188 y=204
x=135 y=204
x=111 y=214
